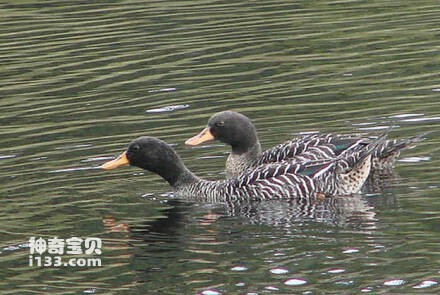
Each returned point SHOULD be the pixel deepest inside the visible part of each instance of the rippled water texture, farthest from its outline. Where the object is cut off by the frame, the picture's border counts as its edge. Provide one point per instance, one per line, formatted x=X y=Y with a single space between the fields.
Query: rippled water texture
x=79 y=80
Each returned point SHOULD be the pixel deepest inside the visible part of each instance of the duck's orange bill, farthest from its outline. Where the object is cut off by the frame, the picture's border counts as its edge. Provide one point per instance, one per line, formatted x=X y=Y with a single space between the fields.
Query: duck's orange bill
x=202 y=137
x=118 y=162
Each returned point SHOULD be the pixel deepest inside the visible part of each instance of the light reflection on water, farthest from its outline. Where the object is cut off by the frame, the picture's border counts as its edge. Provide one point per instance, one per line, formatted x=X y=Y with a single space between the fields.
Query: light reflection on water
x=81 y=81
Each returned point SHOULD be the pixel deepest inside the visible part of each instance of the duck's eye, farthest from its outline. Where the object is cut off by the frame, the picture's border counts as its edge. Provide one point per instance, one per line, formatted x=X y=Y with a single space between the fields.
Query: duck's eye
x=135 y=148
x=220 y=124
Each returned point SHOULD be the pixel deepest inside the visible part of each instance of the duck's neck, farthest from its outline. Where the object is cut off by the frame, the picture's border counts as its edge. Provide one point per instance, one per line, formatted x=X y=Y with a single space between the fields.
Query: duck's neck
x=237 y=162
x=191 y=187
x=247 y=143
x=184 y=179
x=254 y=151
x=179 y=175
x=184 y=183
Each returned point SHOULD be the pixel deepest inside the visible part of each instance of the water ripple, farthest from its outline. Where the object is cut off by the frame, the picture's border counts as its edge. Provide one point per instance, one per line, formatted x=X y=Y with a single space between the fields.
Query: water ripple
x=279 y=271
x=425 y=284
x=295 y=282
x=79 y=82
x=394 y=282
x=168 y=109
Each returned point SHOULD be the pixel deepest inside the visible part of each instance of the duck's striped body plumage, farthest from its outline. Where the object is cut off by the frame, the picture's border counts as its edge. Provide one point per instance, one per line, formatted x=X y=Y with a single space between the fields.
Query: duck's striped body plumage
x=343 y=175
x=328 y=146
x=237 y=130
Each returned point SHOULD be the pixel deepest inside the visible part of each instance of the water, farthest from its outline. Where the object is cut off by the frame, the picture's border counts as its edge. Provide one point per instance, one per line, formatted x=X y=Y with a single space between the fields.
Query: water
x=81 y=80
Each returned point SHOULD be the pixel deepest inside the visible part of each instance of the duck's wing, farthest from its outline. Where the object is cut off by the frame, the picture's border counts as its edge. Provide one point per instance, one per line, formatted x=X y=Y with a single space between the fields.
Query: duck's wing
x=328 y=146
x=286 y=179
x=309 y=147
x=303 y=179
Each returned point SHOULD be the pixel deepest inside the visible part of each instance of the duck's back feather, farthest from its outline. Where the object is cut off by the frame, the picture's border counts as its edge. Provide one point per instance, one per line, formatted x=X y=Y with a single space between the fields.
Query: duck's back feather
x=327 y=146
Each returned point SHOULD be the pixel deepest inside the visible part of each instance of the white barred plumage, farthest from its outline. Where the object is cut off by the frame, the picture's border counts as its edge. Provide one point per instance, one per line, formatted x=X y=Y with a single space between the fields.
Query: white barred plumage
x=238 y=131
x=289 y=179
x=339 y=166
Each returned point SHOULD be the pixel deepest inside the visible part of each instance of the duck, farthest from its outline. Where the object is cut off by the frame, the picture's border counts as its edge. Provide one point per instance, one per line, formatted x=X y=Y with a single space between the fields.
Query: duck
x=282 y=180
x=238 y=131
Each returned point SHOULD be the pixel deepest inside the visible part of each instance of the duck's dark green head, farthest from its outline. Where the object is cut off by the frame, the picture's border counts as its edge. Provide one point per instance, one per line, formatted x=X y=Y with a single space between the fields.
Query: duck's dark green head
x=229 y=127
x=151 y=154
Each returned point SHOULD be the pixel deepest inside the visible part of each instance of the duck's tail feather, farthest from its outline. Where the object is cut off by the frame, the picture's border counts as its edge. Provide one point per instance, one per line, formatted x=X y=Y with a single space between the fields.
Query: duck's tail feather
x=353 y=168
x=351 y=159
x=393 y=147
